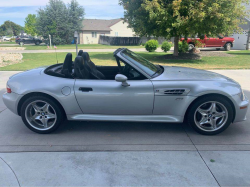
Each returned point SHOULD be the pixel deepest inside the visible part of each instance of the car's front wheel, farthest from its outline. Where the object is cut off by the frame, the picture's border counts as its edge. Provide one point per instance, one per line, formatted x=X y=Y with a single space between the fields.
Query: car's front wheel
x=228 y=47
x=37 y=43
x=210 y=115
x=41 y=114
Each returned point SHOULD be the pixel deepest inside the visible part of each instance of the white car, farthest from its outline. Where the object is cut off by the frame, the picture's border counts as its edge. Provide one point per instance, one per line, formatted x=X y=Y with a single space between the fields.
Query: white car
x=6 y=38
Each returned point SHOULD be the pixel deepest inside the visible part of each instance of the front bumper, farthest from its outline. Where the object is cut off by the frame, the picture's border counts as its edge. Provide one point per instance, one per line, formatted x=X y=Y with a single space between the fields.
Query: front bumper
x=11 y=101
x=241 y=108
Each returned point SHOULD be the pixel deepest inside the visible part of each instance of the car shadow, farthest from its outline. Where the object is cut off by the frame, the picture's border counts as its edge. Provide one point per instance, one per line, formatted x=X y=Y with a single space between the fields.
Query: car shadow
x=116 y=127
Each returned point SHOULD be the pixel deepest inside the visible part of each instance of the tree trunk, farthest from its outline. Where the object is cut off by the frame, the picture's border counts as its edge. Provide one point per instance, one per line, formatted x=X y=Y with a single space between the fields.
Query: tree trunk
x=176 y=46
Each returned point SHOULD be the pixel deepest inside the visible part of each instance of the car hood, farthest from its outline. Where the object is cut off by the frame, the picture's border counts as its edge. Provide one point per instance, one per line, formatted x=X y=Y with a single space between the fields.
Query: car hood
x=228 y=38
x=190 y=74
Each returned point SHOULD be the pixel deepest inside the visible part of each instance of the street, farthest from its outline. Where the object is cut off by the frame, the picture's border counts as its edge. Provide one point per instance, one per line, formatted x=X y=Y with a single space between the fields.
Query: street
x=124 y=154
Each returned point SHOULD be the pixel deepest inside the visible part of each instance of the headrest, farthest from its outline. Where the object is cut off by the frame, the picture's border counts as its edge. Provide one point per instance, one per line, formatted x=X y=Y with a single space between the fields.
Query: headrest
x=80 y=53
x=68 y=57
x=79 y=62
x=85 y=56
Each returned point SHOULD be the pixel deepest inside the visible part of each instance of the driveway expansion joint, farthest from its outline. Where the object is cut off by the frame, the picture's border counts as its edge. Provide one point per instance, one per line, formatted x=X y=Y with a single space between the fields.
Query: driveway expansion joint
x=202 y=157
x=11 y=170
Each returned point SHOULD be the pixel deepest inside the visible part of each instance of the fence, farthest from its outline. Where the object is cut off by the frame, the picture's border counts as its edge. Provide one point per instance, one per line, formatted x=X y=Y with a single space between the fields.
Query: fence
x=111 y=40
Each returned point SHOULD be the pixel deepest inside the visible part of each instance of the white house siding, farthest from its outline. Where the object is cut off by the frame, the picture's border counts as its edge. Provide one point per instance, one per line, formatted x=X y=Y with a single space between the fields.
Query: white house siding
x=121 y=29
x=88 y=39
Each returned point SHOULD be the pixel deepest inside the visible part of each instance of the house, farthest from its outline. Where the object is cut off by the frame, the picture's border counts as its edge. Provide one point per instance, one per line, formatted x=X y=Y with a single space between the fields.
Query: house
x=242 y=40
x=93 y=28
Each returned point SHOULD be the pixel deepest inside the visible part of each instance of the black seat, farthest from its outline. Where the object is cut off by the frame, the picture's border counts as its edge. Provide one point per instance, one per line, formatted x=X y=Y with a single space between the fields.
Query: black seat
x=67 y=66
x=81 y=69
x=95 y=74
x=80 y=53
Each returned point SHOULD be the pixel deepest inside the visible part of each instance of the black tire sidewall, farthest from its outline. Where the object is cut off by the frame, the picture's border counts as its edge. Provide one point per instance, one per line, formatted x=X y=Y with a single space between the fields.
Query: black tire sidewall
x=202 y=100
x=58 y=110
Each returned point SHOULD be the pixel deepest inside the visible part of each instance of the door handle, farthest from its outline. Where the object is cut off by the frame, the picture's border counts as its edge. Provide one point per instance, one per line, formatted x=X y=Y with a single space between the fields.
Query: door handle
x=84 y=89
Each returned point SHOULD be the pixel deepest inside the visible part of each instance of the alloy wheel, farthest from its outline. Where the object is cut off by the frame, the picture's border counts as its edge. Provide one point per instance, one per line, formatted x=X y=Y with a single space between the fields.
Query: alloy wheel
x=40 y=115
x=211 y=116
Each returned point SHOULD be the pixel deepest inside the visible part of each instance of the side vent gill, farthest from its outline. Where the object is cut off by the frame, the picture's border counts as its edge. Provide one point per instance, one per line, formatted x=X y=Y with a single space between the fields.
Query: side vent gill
x=172 y=91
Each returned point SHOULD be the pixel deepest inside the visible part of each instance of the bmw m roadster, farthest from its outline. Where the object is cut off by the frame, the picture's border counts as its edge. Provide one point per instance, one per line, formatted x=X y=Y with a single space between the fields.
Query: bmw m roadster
x=133 y=90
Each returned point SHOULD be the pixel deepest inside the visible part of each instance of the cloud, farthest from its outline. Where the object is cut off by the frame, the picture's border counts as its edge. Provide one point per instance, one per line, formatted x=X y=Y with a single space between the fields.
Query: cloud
x=17 y=10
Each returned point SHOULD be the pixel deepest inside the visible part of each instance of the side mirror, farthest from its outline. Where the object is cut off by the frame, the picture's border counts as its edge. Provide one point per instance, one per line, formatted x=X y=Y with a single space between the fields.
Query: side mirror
x=123 y=79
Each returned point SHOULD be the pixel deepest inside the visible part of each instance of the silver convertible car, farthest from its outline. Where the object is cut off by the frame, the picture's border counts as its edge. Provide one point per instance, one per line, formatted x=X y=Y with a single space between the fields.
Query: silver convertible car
x=134 y=90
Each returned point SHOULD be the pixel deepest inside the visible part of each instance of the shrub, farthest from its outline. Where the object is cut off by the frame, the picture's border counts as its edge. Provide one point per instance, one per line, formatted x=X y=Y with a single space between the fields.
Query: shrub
x=12 y=39
x=199 y=44
x=58 y=41
x=151 y=45
x=166 y=46
x=183 y=47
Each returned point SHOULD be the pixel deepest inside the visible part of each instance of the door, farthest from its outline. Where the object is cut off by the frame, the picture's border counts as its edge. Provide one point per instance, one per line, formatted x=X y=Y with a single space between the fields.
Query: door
x=109 y=97
x=210 y=42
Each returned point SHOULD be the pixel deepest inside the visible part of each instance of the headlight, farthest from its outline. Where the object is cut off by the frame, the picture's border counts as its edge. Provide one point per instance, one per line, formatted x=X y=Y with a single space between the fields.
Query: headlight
x=242 y=95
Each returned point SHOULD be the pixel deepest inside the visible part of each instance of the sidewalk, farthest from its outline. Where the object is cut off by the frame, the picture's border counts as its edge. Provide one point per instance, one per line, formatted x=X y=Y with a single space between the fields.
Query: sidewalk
x=69 y=50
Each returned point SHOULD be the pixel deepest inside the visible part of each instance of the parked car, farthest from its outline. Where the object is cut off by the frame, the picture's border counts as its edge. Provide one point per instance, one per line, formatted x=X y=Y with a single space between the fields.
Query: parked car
x=133 y=90
x=6 y=38
x=218 y=42
x=28 y=40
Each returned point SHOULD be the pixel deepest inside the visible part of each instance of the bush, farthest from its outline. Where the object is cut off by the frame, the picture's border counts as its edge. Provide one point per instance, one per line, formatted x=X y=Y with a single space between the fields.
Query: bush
x=166 y=46
x=151 y=45
x=183 y=47
x=58 y=41
x=12 y=39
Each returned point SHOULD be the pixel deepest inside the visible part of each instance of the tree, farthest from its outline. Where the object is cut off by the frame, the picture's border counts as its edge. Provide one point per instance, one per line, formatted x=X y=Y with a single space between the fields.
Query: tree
x=176 y=18
x=60 y=20
x=30 y=24
x=10 y=28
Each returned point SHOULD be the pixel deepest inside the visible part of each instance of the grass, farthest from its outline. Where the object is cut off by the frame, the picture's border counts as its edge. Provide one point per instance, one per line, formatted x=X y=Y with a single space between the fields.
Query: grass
x=7 y=43
x=240 y=60
x=80 y=46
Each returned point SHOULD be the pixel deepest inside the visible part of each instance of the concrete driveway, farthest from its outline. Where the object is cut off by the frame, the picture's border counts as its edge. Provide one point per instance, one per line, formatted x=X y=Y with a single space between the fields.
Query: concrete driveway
x=122 y=154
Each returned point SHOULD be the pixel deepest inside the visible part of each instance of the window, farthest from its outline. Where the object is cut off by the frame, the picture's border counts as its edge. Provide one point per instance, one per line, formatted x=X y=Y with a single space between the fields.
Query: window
x=141 y=62
x=116 y=33
x=94 y=35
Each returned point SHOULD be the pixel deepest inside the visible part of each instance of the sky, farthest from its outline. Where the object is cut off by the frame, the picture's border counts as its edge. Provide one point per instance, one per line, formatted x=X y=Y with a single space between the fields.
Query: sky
x=17 y=10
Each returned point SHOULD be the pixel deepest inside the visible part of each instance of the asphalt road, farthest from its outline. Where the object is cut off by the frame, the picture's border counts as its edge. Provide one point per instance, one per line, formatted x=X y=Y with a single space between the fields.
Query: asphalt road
x=118 y=154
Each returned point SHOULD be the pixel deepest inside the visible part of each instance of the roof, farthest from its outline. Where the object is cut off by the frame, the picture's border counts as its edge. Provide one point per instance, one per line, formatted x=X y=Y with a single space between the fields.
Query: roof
x=246 y=26
x=99 y=24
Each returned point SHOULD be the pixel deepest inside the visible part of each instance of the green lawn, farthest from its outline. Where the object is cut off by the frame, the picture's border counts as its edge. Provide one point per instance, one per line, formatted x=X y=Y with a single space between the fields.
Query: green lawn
x=240 y=60
x=7 y=43
x=80 y=46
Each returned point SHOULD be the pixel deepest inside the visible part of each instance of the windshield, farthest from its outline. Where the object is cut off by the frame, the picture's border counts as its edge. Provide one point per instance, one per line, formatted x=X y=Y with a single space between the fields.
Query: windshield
x=141 y=62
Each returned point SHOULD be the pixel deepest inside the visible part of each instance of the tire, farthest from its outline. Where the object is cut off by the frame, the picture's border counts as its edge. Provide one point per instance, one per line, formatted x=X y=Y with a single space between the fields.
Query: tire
x=46 y=119
x=37 y=43
x=209 y=122
x=228 y=47
x=190 y=46
x=217 y=49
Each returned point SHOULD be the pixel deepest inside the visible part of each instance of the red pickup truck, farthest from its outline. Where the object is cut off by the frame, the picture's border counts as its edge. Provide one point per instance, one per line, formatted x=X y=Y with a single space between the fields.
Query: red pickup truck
x=218 y=43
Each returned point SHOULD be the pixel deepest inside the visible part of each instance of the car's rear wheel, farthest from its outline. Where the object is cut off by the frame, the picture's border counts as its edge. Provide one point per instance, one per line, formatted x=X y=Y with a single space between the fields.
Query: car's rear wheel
x=41 y=114
x=190 y=46
x=210 y=115
x=228 y=47
x=37 y=43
